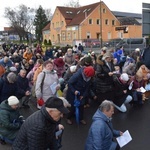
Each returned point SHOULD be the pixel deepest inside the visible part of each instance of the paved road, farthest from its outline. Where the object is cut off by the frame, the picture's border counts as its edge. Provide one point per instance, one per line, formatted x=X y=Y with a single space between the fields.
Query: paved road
x=136 y=120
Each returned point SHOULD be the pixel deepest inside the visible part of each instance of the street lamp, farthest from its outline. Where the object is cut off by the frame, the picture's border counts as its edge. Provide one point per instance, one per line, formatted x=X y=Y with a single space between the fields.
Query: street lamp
x=101 y=41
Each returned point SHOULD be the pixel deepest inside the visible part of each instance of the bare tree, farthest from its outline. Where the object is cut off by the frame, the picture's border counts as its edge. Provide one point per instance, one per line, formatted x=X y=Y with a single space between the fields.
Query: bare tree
x=48 y=13
x=20 y=19
x=73 y=3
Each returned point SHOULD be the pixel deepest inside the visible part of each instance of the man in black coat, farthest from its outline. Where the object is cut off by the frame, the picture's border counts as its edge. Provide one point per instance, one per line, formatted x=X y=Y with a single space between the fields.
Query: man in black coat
x=38 y=131
x=23 y=86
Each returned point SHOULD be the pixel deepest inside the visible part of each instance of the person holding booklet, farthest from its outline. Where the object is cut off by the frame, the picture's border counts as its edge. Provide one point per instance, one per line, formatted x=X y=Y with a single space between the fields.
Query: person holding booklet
x=137 y=85
x=101 y=132
x=47 y=80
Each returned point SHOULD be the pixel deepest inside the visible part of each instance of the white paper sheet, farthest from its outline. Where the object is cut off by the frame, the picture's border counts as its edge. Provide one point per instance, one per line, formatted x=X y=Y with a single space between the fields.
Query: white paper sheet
x=53 y=87
x=124 y=139
x=142 y=90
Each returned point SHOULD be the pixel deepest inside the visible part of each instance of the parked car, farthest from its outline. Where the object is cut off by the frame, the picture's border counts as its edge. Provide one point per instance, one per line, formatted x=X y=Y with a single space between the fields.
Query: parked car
x=93 y=43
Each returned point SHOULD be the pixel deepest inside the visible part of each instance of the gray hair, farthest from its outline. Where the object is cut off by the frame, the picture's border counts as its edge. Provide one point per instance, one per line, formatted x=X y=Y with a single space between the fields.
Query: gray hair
x=12 y=77
x=106 y=105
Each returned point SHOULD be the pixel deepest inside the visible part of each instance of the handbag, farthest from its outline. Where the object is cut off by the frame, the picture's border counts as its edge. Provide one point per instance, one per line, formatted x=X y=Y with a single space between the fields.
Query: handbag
x=40 y=102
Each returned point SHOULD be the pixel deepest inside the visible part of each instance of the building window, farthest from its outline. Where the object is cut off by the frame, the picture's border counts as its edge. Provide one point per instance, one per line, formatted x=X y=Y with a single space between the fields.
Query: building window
x=104 y=10
x=88 y=35
x=57 y=24
x=62 y=23
x=69 y=36
x=53 y=37
x=63 y=37
x=113 y=22
x=53 y=25
x=90 y=21
x=106 y=22
x=98 y=21
x=74 y=35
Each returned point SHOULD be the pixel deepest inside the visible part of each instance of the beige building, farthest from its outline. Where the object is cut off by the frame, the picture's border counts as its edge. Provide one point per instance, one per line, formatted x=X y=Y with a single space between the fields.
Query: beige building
x=94 y=21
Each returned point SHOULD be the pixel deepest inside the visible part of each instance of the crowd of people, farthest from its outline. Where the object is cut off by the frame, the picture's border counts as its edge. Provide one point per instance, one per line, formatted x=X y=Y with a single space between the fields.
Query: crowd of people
x=56 y=79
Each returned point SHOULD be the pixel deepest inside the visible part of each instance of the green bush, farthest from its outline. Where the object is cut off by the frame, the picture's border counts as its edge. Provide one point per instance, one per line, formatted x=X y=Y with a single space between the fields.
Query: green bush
x=49 y=42
x=45 y=42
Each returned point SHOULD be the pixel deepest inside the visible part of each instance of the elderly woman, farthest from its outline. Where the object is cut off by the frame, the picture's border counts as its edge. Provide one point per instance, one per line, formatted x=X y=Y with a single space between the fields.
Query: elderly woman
x=47 y=82
x=69 y=58
x=104 y=81
x=10 y=119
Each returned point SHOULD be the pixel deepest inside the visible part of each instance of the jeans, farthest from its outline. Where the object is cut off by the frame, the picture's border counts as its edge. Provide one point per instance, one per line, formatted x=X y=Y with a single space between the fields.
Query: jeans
x=123 y=108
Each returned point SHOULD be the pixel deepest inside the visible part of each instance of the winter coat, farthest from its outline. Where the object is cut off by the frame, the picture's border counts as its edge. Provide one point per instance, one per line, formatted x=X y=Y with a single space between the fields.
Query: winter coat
x=36 y=73
x=8 y=121
x=23 y=85
x=48 y=54
x=119 y=95
x=137 y=84
x=27 y=56
x=101 y=133
x=50 y=78
x=8 y=64
x=16 y=59
x=60 y=70
x=104 y=82
x=146 y=56
x=67 y=75
x=78 y=83
x=7 y=89
x=37 y=132
x=69 y=59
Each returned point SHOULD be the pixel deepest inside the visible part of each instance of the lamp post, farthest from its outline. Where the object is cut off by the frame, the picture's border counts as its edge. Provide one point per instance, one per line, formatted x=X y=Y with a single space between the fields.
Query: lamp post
x=101 y=41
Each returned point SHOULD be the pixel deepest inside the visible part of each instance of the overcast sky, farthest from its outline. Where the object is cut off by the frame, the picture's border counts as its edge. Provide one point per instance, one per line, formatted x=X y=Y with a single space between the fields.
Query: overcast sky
x=134 y=6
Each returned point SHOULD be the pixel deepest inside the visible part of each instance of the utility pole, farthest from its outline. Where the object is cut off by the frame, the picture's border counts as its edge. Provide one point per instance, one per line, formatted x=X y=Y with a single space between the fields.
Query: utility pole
x=101 y=22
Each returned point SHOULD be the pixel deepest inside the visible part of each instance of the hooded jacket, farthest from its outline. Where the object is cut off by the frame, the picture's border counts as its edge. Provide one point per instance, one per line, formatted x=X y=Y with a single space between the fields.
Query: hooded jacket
x=8 y=121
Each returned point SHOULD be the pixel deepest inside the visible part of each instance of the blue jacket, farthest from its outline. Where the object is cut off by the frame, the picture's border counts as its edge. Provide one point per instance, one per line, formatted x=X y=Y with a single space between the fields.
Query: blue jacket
x=8 y=64
x=100 y=136
x=77 y=83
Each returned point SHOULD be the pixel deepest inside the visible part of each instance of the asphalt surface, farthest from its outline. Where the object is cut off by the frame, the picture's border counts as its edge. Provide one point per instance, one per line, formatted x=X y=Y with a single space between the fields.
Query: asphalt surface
x=136 y=120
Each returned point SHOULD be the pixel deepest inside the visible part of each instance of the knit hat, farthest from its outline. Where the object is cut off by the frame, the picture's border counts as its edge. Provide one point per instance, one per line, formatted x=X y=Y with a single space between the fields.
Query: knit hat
x=106 y=55
x=137 y=49
x=13 y=100
x=124 y=77
x=73 y=68
x=13 y=69
x=59 y=62
x=89 y=71
x=88 y=60
x=54 y=102
x=104 y=49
